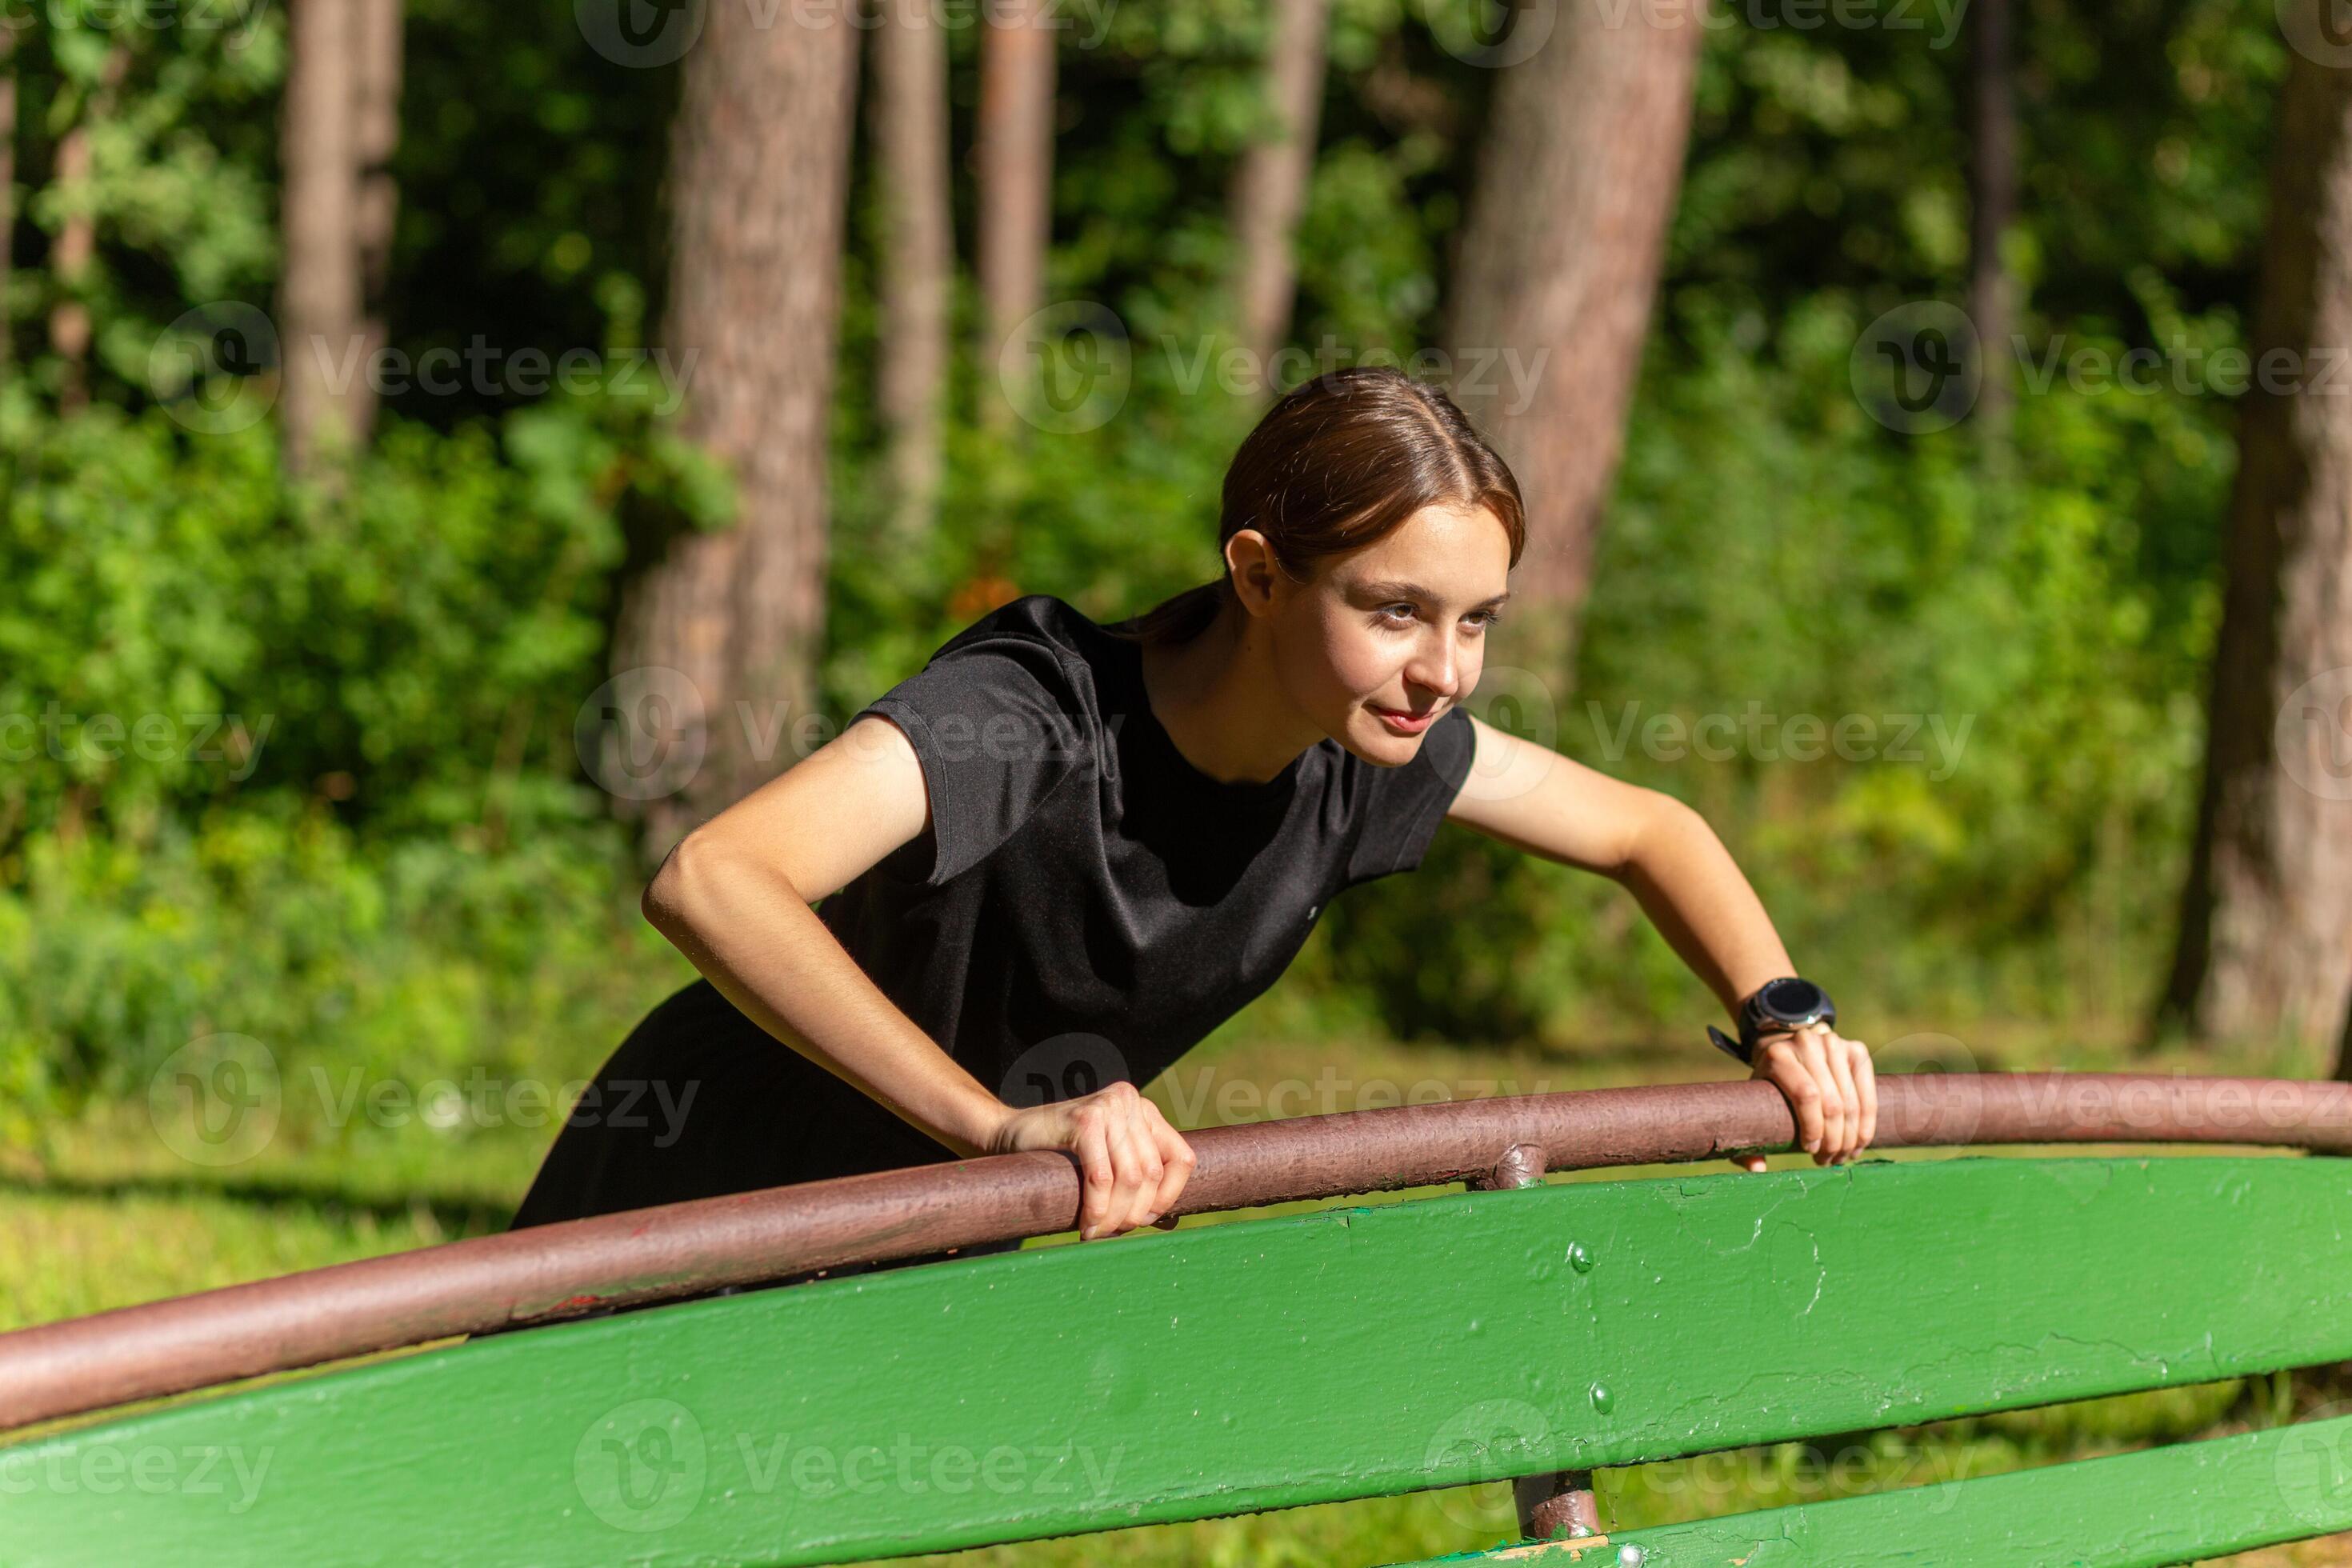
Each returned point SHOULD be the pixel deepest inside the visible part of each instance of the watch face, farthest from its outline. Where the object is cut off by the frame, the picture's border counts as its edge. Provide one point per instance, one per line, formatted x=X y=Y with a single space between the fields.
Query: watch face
x=1792 y=998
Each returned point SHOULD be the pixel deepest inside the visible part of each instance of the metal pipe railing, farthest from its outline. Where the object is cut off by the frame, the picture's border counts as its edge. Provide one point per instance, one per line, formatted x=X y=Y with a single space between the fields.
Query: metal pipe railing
x=548 y=1273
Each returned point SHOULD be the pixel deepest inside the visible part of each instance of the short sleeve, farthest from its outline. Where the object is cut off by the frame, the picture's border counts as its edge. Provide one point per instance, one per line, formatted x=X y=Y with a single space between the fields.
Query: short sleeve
x=999 y=725
x=1405 y=804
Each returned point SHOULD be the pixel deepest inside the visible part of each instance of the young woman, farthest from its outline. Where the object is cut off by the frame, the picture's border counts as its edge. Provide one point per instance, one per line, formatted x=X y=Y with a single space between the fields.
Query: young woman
x=1047 y=863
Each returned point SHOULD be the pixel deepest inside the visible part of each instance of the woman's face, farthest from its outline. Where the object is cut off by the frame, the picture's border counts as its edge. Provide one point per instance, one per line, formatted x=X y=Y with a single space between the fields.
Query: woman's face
x=1382 y=641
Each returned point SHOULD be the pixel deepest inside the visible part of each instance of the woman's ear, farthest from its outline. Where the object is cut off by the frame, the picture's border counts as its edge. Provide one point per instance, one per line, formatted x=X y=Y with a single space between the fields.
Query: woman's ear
x=1257 y=580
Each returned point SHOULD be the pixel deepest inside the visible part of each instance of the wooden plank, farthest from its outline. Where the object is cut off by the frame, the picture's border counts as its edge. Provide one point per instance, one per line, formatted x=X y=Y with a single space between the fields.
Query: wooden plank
x=1344 y=1353
x=2148 y=1509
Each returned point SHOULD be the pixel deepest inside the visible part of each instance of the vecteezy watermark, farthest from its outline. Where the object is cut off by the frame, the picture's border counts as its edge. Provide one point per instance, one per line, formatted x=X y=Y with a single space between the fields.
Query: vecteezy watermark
x=216 y=1100
x=1920 y=367
x=645 y=733
x=2188 y=368
x=1490 y=34
x=237 y=17
x=1795 y=737
x=1482 y=1448
x=1067 y=368
x=219 y=1099
x=220 y=368
x=1077 y=1063
x=96 y=1467
x=1948 y=1092
x=659 y=377
x=1726 y=1479
x=2218 y=1112
x=644 y=33
x=641 y=1466
x=1796 y=16
x=227 y=739
x=1946 y=1101
x=1484 y=373
x=1064 y=1066
x=1493 y=35
x=649 y=34
x=2312 y=1465
x=2318 y=30
x=214 y=369
x=1916 y=369
x=658 y=1106
x=1206 y=1096
x=2313 y=734
x=645 y=1465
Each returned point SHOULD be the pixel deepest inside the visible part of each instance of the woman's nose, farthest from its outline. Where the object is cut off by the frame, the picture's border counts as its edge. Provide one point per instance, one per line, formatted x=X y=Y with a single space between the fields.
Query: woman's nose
x=1436 y=665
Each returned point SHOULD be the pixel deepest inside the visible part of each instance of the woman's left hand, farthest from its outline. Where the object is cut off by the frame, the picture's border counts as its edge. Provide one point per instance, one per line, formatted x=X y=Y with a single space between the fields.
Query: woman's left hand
x=1831 y=1086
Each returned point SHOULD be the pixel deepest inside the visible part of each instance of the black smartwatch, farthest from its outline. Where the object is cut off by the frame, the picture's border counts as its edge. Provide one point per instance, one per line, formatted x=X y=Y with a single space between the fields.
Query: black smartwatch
x=1775 y=1007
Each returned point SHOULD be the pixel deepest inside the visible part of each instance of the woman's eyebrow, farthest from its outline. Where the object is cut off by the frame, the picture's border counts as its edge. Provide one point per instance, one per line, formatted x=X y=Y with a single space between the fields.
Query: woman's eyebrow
x=1394 y=589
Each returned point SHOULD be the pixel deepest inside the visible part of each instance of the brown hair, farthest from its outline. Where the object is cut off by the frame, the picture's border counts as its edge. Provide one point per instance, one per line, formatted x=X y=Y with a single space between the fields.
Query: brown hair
x=1340 y=461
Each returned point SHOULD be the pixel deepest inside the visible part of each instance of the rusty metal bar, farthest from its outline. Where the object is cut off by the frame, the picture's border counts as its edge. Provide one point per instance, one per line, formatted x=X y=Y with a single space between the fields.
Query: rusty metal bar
x=1553 y=1502
x=547 y=1273
x=1557 y=1503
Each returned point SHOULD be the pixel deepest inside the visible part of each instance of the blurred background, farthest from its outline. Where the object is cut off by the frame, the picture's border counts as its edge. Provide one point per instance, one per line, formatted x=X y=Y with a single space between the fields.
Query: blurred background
x=450 y=450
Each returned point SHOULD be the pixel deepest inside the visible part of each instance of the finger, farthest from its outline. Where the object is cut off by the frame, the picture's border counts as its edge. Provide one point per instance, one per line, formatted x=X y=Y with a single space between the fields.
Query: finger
x=1840 y=1063
x=1132 y=1152
x=1788 y=1074
x=1130 y=1172
x=1176 y=1168
x=1151 y=1168
x=1816 y=1059
x=1753 y=1162
x=1866 y=1087
x=1122 y=1166
x=1094 y=1158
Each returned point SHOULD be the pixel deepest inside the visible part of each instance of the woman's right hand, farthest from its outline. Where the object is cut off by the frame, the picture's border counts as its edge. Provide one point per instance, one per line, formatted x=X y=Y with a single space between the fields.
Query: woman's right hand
x=1131 y=1163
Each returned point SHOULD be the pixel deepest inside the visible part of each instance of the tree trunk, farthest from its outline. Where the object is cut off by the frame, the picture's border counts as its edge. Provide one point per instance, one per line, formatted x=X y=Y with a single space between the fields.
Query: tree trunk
x=1992 y=200
x=758 y=181
x=1013 y=152
x=917 y=255
x=7 y=183
x=322 y=329
x=1553 y=282
x=75 y=252
x=1270 y=186
x=2265 y=941
x=377 y=66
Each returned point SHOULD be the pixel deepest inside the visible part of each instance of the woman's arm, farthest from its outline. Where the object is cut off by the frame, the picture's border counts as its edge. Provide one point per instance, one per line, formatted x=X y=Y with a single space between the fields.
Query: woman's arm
x=735 y=897
x=1687 y=882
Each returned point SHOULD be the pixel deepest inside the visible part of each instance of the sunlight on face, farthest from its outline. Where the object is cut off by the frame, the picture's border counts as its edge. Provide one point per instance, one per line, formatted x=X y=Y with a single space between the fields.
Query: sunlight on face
x=1397 y=628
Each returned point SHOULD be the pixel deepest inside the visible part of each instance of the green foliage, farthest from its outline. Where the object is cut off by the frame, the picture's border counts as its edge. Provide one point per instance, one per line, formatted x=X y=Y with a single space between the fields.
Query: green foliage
x=404 y=963
x=304 y=768
x=418 y=650
x=2001 y=828
x=180 y=179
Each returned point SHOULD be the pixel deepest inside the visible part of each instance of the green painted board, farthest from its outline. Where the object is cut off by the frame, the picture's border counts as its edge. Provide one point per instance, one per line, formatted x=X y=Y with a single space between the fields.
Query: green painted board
x=2146 y=1510
x=1260 y=1363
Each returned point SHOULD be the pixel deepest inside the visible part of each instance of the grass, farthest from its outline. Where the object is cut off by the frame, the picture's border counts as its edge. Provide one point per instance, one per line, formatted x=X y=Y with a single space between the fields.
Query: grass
x=110 y=1216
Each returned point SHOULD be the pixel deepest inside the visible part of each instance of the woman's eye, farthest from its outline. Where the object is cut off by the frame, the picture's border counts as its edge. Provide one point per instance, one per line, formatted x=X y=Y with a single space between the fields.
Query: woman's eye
x=1406 y=608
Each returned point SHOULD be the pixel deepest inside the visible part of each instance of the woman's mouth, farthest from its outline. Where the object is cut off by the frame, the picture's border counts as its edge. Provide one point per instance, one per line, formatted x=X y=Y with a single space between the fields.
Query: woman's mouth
x=1402 y=721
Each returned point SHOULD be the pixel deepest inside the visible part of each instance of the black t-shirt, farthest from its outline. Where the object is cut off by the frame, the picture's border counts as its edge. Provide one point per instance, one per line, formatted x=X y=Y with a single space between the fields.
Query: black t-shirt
x=1085 y=905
